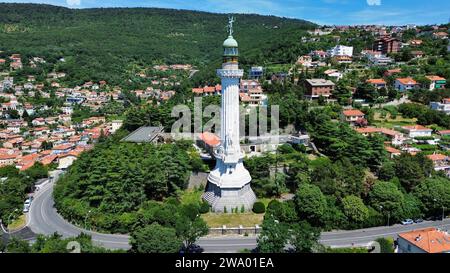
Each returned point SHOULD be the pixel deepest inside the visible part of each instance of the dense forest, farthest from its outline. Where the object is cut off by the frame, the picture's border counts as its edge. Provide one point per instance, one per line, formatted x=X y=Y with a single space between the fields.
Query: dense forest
x=99 y=44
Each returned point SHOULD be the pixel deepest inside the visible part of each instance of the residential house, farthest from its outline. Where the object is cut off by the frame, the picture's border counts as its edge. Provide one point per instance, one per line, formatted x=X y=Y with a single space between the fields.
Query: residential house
x=115 y=125
x=62 y=148
x=443 y=106
x=256 y=72
x=38 y=122
x=387 y=45
x=436 y=82
x=48 y=159
x=417 y=131
x=352 y=116
x=377 y=83
x=381 y=60
x=319 y=54
x=392 y=151
x=404 y=84
x=440 y=35
x=426 y=240
x=27 y=161
x=318 y=87
x=343 y=59
x=65 y=160
x=396 y=138
x=13 y=143
x=333 y=73
x=341 y=50
x=8 y=157
x=391 y=72
x=208 y=141
x=440 y=162
x=207 y=90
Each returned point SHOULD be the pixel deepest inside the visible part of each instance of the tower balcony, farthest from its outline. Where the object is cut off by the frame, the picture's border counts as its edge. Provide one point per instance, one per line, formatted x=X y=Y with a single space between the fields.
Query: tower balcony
x=230 y=73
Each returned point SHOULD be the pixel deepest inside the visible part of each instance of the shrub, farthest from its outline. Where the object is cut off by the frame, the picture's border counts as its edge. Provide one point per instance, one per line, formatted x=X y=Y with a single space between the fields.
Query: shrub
x=225 y=209
x=204 y=207
x=259 y=207
x=386 y=245
x=242 y=209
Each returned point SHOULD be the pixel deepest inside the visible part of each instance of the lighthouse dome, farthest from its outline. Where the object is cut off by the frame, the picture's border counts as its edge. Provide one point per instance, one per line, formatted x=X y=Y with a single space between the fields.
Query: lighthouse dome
x=230 y=42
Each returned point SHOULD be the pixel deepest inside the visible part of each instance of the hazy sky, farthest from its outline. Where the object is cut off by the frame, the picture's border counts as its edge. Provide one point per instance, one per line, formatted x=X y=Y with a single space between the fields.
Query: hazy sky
x=395 y=12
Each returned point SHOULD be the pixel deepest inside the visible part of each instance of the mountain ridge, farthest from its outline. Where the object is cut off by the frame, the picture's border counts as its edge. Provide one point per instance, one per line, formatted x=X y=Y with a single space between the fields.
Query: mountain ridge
x=100 y=42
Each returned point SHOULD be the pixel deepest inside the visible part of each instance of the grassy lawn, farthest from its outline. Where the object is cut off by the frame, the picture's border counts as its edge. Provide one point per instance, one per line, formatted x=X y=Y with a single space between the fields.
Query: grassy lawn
x=388 y=122
x=18 y=223
x=191 y=196
x=275 y=68
x=213 y=220
x=248 y=219
x=265 y=201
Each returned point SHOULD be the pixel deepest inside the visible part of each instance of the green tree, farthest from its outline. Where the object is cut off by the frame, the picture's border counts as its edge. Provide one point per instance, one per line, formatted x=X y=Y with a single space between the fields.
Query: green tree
x=434 y=193
x=409 y=171
x=282 y=211
x=191 y=230
x=304 y=237
x=16 y=245
x=311 y=203
x=37 y=171
x=274 y=236
x=155 y=239
x=386 y=198
x=354 y=209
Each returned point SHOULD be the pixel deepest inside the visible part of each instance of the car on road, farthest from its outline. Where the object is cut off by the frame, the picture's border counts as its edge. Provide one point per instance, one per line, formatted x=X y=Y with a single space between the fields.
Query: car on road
x=27 y=205
x=408 y=222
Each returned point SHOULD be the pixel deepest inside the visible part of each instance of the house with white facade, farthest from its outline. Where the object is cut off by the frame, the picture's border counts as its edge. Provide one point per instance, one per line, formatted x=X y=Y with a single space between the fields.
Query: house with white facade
x=417 y=131
x=442 y=106
x=341 y=50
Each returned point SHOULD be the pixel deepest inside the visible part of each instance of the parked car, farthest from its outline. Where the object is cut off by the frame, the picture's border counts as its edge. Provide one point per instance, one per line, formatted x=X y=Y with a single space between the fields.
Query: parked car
x=420 y=220
x=408 y=222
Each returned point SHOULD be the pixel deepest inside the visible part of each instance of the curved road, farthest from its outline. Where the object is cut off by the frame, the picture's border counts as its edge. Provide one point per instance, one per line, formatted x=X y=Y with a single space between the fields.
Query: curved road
x=44 y=219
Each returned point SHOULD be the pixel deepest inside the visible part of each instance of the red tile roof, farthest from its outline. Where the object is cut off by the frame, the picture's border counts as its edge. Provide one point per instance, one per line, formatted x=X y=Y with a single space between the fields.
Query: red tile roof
x=437 y=157
x=392 y=150
x=197 y=90
x=352 y=112
x=210 y=139
x=376 y=81
x=48 y=159
x=435 y=78
x=416 y=127
x=63 y=146
x=367 y=130
x=406 y=81
x=209 y=89
x=430 y=240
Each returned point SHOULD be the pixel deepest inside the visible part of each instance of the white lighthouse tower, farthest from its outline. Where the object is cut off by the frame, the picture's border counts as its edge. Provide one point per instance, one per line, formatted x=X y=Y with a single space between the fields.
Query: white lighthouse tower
x=229 y=183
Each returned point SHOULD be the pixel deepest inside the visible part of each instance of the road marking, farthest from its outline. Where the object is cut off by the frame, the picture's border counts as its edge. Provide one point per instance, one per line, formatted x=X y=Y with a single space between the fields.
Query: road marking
x=376 y=235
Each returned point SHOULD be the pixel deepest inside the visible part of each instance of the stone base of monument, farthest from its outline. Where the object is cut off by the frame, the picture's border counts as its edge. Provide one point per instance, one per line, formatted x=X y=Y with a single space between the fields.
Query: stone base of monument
x=229 y=198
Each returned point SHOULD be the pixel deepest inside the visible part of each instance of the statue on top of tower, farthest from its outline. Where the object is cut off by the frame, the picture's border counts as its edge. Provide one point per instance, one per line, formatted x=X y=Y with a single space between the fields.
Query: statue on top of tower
x=231 y=20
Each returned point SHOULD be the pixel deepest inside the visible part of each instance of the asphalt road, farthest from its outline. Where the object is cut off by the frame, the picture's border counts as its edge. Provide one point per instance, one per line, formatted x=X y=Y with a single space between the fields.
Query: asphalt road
x=44 y=219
